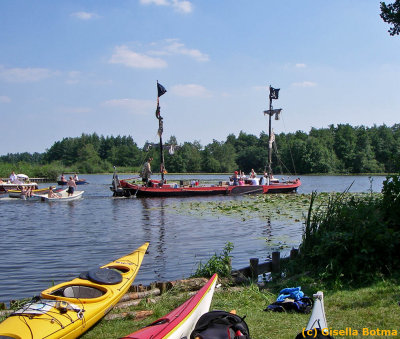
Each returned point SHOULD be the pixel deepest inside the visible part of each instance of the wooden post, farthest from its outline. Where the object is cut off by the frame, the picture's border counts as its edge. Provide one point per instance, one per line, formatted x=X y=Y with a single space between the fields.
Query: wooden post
x=276 y=265
x=293 y=253
x=162 y=286
x=254 y=269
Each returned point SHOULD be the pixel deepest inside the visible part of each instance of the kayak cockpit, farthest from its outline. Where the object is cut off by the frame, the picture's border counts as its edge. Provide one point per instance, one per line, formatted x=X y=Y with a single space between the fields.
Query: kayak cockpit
x=79 y=292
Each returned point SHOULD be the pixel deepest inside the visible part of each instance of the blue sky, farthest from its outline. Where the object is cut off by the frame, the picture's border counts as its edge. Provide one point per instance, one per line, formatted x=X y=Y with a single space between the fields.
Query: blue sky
x=73 y=67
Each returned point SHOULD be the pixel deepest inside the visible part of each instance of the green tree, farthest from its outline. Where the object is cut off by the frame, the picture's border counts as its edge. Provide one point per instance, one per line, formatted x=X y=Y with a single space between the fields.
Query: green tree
x=219 y=157
x=391 y=14
x=345 y=145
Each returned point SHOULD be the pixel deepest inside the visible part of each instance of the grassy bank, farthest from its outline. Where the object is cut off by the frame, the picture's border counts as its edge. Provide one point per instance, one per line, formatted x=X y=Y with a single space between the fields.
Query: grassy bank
x=369 y=307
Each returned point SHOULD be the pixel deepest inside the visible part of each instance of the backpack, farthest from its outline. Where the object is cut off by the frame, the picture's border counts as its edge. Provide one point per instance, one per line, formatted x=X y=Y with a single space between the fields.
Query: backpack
x=303 y=305
x=220 y=325
x=291 y=299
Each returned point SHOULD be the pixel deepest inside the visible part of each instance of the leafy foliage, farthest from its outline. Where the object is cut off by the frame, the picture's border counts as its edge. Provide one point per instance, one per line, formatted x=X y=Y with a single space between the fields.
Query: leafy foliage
x=220 y=264
x=391 y=14
x=354 y=239
x=336 y=149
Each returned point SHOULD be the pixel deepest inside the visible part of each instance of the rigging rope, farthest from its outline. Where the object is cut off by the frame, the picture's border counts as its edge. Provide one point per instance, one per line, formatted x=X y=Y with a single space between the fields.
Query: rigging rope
x=290 y=150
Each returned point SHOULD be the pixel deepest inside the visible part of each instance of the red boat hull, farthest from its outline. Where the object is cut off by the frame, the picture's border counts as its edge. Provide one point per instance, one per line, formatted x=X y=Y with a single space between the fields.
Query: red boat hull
x=173 y=324
x=166 y=190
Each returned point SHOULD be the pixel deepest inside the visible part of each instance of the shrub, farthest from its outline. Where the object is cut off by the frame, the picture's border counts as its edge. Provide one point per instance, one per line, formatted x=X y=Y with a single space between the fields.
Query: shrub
x=353 y=239
x=220 y=264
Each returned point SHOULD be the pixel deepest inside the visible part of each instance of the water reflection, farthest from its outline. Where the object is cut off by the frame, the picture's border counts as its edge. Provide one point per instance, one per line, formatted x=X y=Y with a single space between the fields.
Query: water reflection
x=154 y=218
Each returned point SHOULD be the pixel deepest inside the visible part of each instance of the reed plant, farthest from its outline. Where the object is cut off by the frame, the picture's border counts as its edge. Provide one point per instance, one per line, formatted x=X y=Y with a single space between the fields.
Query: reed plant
x=218 y=263
x=353 y=239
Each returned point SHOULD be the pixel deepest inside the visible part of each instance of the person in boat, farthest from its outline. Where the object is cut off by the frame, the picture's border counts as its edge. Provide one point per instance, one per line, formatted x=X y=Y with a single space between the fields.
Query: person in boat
x=13 y=177
x=265 y=179
x=51 y=194
x=71 y=186
x=63 y=178
x=235 y=178
x=146 y=171
x=23 y=192
x=29 y=192
x=76 y=177
x=242 y=175
x=253 y=174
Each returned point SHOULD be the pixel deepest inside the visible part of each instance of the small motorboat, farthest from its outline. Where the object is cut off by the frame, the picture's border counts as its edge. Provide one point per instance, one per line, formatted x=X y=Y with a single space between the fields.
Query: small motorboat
x=17 y=193
x=22 y=181
x=59 y=196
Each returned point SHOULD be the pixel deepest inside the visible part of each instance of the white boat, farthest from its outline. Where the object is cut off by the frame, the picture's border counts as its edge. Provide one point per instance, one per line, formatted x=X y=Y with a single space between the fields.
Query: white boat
x=17 y=193
x=61 y=196
x=22 y=181
x=317 y=326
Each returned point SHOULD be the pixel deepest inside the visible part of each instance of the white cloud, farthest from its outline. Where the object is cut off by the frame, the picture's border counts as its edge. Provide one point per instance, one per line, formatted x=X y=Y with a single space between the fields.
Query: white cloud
x=304 y=84
x=25 y=74
x=191 y=90
x=4 y=99
x=84 y=15
x=175 y=47
x=123 y=55
x=73 y=77
x=134 y=106
x=181 y=6
x=301 y=65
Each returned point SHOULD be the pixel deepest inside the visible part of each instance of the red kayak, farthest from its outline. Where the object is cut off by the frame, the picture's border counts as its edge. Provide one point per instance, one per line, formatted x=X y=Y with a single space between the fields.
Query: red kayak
x=181 y=321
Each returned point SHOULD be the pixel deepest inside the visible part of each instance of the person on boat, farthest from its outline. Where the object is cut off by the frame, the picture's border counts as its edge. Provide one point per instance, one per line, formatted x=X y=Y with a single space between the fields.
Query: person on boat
x=71 y=186
x=63 y=178
x=235 y=178
x=51 y=194
x=146 y=171
x=13 y=177
x=263 y=179
x=23 y=192
x=253 y=174
x=29 y=192
x=76 y=177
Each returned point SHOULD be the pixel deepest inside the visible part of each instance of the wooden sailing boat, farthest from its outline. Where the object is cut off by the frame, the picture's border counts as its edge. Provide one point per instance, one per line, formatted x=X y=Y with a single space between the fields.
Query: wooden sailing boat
x=161 y=188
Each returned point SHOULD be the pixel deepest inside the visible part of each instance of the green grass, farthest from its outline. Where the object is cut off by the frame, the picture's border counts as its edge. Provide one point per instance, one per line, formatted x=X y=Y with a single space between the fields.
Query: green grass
x=369 y=307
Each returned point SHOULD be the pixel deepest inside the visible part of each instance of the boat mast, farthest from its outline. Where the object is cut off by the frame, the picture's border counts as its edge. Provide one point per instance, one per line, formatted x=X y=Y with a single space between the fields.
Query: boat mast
x=160 y=91
x=273 y=94
x=269 y=136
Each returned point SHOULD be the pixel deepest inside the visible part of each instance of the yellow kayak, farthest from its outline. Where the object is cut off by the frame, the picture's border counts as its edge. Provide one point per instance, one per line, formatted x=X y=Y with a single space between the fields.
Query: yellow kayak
x=69 y=309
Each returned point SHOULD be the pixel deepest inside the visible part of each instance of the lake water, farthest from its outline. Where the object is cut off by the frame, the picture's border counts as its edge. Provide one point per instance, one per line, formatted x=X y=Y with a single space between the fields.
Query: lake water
x=45 y=243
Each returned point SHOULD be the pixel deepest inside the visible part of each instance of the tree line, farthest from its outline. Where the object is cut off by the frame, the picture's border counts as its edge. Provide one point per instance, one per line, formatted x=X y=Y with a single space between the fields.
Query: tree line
x=333 y=150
